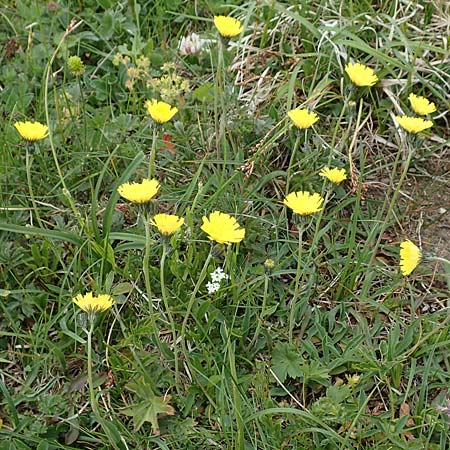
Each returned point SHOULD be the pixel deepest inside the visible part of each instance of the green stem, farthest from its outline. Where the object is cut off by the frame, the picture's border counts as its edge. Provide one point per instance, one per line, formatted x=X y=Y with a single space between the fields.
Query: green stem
x=83 y=104
x=291 y=160
x=90 y=378
x=240 y=443
x=263 y=310
x=297 y=283
x=221 y=112
x=151 y=163
x=49 y=73
x=28 y=162
x=169 y=313
x=192 y=300
x=446 y=264
x=438 y=258
x=393 y=201
x=353 y=141
x=146 y=270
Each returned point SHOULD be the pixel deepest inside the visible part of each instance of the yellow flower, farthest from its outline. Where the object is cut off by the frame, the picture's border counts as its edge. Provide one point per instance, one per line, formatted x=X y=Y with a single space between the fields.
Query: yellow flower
x=160 y=112
x=413 y=124
x=410 y=257
x=302 y=118
x=222 y=228
x=228 y=26
x=32 y=131
x=361 y=75
x=303 y=202
x=167 y=223
x=421 y=105
x=141 y=192
x=89 y=303
x=335 y=175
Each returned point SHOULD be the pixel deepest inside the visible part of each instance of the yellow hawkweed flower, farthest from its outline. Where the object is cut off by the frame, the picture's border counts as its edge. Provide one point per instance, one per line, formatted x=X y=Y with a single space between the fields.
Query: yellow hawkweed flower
x=413 y=124
x=421 y=105
x=228 y=26
x=303 y=202
x=167 y=224
x=410 y=257
x=302 y=118
x=141 y=192
x=32 y=131
x=222 y=228
x=361 y=75
x=160 y=112
x=90 y=304
x=335 y=175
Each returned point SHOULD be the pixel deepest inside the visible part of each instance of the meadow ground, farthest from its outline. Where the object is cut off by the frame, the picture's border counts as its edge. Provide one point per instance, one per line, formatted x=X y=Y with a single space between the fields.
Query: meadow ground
x=188 y=274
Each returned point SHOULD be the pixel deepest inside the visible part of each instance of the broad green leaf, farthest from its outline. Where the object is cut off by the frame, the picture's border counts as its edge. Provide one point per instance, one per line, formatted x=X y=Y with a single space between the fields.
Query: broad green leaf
x=286 y=361
x=147 y=411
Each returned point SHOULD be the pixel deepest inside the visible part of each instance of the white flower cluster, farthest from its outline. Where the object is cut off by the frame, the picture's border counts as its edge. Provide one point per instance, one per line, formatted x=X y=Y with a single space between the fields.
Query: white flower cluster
x=217 y=276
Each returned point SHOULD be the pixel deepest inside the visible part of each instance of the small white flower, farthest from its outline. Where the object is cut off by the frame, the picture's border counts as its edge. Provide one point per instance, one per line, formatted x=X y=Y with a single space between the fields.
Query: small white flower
x=218 y=275
x=212 y=287
x=192 y=44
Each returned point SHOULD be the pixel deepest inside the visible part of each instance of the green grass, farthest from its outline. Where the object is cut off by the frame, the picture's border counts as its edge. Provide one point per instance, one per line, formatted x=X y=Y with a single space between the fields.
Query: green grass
x=331 y=348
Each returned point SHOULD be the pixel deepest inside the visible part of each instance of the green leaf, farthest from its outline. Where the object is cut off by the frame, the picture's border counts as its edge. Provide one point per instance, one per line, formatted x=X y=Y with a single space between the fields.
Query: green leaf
x=148 y=407
x=316 y=372
x=204 y=93
x=286 y=361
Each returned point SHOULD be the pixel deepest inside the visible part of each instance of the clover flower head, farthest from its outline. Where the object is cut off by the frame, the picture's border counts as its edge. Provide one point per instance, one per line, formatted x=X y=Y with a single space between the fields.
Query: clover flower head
x=141 y=192
x=167 y=224
x=32 y=131
x=334 y=175
x=304 y=203
x=361 y=75
x=90 y=303
x=222 y=228
x=421 y=105
x=160 y=112
x=413 y=124
x=228 y=26
x=303 y=118
x=192 y=44
x=410 y=257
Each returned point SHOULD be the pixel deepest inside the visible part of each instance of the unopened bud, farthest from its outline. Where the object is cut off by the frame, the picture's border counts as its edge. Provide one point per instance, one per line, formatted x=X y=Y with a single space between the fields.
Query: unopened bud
x=76 y=66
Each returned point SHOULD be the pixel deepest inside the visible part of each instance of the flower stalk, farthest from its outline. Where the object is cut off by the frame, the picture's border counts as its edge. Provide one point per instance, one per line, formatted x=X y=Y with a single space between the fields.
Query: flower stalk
x=168 y=311
x=263 y=311
x=298 y=276
x=151 y=163
x=28 y=163
x=146 y=267
x=192 y=298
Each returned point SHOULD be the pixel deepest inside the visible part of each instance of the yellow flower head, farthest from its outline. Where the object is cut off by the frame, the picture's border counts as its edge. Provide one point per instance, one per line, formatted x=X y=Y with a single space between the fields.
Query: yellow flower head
x=303 y=202
x=361 y=75
x=167 y=224
x=335 y=175
x=228 y=26
x=141 y=192
x=410 y=257
x=302 y=118
x=222 y=228
x=421 y=105
x=413 y=124
x=160 y=112
x=32 y=131
x=90 y=304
